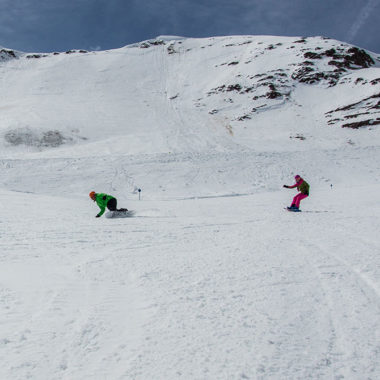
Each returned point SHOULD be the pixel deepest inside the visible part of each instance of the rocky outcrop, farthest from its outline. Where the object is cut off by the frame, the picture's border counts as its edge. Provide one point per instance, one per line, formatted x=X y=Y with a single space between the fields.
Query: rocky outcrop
x=340 y=58
x=365 y=112
x=6 y=54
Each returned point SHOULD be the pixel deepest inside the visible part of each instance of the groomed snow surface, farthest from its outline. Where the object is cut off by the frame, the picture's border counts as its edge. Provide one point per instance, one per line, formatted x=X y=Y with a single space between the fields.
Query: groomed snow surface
x=220 y=288
x=212 y=278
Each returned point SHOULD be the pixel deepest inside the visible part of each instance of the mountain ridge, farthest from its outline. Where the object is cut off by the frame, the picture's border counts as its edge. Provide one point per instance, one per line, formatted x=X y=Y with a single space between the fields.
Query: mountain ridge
x=179 y=94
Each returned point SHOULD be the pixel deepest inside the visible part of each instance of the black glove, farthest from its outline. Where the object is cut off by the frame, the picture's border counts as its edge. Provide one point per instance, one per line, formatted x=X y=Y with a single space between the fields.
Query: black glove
x=287 y=187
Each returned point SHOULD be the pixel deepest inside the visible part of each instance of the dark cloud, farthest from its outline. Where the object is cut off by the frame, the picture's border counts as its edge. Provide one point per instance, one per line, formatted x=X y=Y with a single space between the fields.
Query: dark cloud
x=48 y=25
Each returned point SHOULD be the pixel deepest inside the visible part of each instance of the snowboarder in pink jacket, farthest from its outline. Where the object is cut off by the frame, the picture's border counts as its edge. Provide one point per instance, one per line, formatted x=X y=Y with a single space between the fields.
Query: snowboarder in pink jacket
x=303 y=188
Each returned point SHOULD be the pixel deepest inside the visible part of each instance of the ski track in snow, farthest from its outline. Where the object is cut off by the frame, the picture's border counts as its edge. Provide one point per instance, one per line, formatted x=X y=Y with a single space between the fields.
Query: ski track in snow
x=60 y=304
x=223 y=288
x=211 y=279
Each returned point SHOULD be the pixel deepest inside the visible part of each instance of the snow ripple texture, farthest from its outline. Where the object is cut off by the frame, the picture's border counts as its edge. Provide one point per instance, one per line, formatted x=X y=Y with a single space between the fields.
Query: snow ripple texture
x=211 y=278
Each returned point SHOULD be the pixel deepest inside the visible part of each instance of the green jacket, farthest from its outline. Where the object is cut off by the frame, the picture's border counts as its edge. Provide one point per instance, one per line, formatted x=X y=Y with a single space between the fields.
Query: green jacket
x=303 y=187
x=102 y=200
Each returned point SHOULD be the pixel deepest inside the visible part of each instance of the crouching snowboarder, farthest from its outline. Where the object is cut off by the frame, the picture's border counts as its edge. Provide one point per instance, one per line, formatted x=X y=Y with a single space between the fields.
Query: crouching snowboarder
x=303 y=188
x=103 y=201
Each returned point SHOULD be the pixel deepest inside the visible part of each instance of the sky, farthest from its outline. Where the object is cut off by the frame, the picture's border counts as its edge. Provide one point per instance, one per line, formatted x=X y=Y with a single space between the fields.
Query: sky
x=56 y=25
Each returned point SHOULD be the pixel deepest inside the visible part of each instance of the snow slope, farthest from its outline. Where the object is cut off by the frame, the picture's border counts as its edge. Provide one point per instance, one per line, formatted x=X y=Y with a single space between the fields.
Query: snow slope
x=211 y=279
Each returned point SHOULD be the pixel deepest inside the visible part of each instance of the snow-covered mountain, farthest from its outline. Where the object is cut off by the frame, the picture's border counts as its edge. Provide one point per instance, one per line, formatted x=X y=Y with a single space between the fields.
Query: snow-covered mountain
x=164 y=87
x=212 y=279
x=180 y=97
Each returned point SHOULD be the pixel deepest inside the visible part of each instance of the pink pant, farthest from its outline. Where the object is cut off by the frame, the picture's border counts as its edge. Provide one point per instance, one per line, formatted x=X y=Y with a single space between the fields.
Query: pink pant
x=298 y=198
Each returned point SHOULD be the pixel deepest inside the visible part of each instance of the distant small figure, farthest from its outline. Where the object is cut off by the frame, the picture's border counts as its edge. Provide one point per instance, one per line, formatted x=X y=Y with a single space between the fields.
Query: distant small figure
x=103 y=201
x=303 y=188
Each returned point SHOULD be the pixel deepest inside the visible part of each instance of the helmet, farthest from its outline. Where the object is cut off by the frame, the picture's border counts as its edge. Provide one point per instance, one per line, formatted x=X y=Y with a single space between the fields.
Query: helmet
x=297 y=177
x=92 y=195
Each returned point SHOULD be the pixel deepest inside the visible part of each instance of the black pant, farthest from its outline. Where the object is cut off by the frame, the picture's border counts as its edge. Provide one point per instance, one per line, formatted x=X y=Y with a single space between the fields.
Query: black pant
x=112 y=204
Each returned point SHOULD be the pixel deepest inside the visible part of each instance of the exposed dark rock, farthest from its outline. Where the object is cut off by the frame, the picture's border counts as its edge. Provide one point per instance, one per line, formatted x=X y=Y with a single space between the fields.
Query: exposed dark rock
x=273 y=94
x=359 y=58
x=246 y=42
x=353 y=105
x=301 y=73
x=357 y=115
x=6 y=54
x=269 y=77
x=234 y=87
x=33 y=56
x=157 y=42
x=217 y=90
x=325 y=64
x=298 y=136
x=245 y=117
x=255 y=109
x=339 y=64
x=256 y=76
x=333 y=121
x=343 y=59
x=36 y=56
x=353 y=56
x=312 y=55
x=148 y=44
x=171 y=49
x=263 y=84
x=224 y=88
x=331 y=53
x=363 y=123
x=74 y=51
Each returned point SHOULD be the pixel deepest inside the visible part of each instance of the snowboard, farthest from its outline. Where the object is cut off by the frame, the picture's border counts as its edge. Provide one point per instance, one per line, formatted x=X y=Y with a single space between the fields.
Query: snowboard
x=293 y=209
x=120 y=214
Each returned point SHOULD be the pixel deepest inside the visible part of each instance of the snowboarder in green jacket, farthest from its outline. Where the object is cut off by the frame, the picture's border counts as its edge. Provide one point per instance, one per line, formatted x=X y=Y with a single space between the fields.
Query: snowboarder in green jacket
x=103 y=201
x=303 y=188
